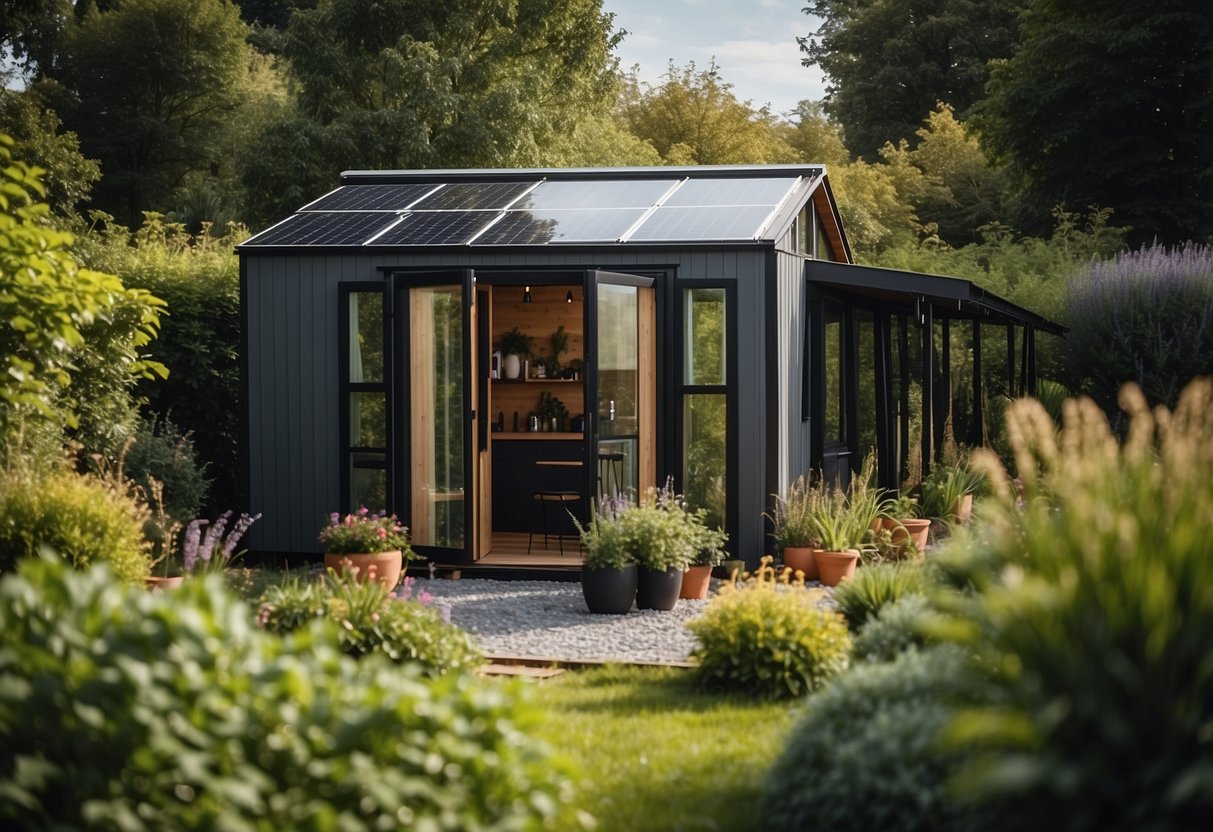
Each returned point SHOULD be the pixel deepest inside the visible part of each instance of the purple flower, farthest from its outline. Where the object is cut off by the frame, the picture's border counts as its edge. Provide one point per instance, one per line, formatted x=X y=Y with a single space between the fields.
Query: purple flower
x=189 y=551
x=237 y=532
x=334 y=518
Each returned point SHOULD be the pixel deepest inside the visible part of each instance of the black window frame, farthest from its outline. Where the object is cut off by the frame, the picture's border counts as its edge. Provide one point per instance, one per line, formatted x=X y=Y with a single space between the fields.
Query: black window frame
x=345 y=449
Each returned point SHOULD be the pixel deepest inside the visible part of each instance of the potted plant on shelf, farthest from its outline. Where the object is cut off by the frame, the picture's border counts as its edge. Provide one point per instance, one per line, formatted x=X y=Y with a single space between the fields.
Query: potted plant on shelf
x=515 y=345
x=608 y=572
x=552 y=412
x=372 y=546
x=792 y=519
x=560 y=345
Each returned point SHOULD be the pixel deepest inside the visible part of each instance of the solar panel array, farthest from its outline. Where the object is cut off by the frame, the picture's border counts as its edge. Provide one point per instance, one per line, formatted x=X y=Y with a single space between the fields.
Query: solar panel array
x=536 y=212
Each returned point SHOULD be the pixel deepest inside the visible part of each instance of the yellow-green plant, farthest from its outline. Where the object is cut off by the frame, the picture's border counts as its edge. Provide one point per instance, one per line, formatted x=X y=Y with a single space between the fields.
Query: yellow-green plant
x=1097 y=616
x=767 y=636
x=792 y=515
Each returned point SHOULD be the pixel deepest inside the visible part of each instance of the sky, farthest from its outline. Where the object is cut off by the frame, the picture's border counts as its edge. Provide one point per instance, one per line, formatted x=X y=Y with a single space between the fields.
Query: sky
x=753 y=41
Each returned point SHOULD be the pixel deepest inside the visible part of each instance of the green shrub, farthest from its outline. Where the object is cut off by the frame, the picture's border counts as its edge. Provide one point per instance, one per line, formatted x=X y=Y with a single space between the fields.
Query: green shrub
x=1098 y=616
x=897 y=627
x=1143 y=316
x=124 y=709
x=82 y=518
x=371 y=620
x=770 y=640
x=163 y=453
x=867 y=755
x=876 y=585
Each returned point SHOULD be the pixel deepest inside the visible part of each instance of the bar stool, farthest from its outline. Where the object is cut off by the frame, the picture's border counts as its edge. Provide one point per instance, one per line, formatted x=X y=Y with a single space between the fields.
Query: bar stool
x=544 y=497
x=610 y=468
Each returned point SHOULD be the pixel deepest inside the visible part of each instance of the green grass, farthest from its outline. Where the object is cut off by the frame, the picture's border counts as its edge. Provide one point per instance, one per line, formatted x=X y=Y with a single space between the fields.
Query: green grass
x=655 y=753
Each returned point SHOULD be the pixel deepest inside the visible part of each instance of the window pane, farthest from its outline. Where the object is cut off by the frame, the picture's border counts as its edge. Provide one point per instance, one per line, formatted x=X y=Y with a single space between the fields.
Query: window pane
x=366 y=337
x=833 y=428
x=368 y=420
x=618 y=360
x=368 y=486
x=704 y=331
x=704 y=453
x=865 y=335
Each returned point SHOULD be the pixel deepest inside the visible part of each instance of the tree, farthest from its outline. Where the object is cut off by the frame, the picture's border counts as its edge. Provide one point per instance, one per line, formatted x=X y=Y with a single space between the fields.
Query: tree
x=68 y=177
x=152 y=88
x=692 y=117
x=949 y=179
x=1111 y=105
x=889 y=61
x=403 y=84
x=816 y=137
x=61 y=321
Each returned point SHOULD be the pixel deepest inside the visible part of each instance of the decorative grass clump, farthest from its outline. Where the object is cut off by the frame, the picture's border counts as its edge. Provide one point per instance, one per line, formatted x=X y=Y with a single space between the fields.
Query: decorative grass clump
x=128 y=709
x=1097 y=617
x=899 y=626
x=867 y=754
x=84 y=519
x=876 y=585
x=769 y=639
x=370 y=619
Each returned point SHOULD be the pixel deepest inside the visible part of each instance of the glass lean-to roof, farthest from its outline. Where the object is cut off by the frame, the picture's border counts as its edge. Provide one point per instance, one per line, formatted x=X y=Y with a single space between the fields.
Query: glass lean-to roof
x=671 y=206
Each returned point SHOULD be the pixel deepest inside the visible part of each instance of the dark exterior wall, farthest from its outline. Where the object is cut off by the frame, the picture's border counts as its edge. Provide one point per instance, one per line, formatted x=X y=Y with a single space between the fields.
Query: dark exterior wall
x=292 y=372
x=792 y=330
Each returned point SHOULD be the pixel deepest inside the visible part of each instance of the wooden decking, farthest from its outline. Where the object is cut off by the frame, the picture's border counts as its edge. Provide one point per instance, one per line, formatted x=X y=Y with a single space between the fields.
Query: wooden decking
x=510 y=549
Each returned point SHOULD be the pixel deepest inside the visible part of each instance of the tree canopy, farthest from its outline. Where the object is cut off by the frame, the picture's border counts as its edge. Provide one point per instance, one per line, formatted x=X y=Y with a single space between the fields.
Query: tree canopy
x=1111 y=105
x=889 y=61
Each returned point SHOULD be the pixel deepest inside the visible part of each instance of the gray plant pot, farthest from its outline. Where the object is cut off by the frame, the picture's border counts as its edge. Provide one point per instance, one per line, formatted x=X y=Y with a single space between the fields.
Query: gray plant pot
x=657 y=590
x=609 y=591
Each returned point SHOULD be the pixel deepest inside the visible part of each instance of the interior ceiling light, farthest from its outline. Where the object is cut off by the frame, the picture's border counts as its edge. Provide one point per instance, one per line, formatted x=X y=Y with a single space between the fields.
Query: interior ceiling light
x=526 y=295
x=568 y=296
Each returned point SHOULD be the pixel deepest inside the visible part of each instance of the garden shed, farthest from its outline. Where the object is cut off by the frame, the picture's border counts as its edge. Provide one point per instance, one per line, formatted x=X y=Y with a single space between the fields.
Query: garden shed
x=699 y=323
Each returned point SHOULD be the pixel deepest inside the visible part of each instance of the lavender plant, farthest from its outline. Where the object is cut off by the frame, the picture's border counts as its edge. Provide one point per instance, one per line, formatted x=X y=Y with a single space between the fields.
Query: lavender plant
x=1144 y=316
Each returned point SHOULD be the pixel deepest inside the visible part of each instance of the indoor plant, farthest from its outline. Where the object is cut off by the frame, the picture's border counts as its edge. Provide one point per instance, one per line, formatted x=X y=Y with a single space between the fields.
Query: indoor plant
x=793 y=529
x=515 y=346
x=370 y=545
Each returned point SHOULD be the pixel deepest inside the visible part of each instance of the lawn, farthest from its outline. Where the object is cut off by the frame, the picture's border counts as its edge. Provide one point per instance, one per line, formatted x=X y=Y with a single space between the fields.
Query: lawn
x=655 y=753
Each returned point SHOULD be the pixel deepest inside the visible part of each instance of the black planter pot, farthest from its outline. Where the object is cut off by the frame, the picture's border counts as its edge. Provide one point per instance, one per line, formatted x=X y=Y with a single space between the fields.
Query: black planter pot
x=609 y=591
x=657 y=590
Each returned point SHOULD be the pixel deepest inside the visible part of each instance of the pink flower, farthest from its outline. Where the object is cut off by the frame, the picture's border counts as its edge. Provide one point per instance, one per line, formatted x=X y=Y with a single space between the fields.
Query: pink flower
x=382 y=533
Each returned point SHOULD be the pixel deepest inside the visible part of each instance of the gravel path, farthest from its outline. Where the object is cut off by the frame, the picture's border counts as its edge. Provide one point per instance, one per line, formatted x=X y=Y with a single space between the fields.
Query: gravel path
x=548 y=619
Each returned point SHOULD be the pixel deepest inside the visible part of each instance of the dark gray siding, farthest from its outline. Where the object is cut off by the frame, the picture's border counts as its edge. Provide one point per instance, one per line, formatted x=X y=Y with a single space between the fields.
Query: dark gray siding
x=792 y=325
x=292 y=306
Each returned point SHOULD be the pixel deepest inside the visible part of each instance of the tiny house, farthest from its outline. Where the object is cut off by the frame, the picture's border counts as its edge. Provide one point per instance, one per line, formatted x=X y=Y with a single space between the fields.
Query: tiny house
x=703 y=324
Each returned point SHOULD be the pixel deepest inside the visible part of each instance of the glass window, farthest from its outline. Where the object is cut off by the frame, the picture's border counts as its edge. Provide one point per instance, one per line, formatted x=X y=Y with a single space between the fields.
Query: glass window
x=865 y=337
x=368 y=482
x=705 y=454
x=365 y=445
x=834 y=377
x=705 y=342
x=366 y=337
x=368 y=420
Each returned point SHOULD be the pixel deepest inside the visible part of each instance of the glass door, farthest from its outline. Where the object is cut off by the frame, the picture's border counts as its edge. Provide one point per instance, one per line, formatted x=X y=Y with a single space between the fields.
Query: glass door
x=439 y=412
x=621 y=357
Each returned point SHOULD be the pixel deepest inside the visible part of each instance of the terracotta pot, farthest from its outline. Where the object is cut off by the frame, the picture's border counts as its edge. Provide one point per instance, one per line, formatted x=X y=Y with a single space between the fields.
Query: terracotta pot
x=910 y=528
x=962 y=509
x=157 y=582
x=385 y=567
x=609 y=591
x=801 y=558
x=695 y=582
x=836 y=567
x=657 y=589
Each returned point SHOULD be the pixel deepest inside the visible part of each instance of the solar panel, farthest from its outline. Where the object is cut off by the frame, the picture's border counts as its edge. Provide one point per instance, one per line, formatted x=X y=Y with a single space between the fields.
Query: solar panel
x=755 y=191
x=519 y=228
x=639 y=193
x=370 y=198
x=666 y=224
x=469 y=196
x=324 y=229
x=435 y=228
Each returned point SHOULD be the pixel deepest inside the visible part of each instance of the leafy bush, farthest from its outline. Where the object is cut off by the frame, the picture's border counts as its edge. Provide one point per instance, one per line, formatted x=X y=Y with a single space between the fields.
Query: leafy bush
x=769 y=639
x=660 y=533
x=867 y=754
x=1144 y=316
x=124 y=709
x=895 y=628
x=84 y=519
x=363 y=532
x=371 y=620
x=1098 y=616
x=874 y=586
x=161 y=452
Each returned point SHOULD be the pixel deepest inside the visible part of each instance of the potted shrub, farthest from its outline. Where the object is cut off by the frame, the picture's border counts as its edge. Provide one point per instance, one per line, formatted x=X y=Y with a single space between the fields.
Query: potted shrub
x=697 y=578
x=948 y=492
x=906 y=528
x=793 y=528
x=372 y=546
x=840 y=531
x=608 y=572
x=515 y=345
